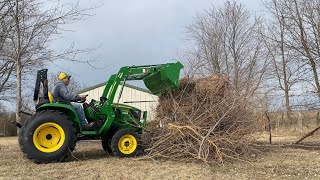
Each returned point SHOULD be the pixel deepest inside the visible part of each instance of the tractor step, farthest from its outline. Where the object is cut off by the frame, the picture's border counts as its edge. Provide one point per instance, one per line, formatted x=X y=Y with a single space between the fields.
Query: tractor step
x=87 y=137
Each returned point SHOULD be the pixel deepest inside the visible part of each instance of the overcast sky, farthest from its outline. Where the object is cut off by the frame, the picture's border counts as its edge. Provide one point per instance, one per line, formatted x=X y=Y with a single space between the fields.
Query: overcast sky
x=131 y=32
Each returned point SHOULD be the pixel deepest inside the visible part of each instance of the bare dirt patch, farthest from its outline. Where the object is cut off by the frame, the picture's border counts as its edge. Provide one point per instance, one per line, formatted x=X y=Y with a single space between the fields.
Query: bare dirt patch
x=276 y=161
x=8 y=140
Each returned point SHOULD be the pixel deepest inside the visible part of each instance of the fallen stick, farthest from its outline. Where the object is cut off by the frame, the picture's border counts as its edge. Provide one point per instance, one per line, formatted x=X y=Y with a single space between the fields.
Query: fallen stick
x=307 y=135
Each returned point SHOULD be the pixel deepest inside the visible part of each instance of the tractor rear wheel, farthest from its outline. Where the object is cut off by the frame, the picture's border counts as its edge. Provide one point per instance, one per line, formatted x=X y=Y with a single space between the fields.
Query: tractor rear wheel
x=49 y=137
x=21 y=138
x=125 y=143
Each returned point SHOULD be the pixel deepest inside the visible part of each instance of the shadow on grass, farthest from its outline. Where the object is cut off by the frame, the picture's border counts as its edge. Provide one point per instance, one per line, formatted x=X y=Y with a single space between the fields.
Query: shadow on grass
x=265 y=147
x=305 y=146
x=88 y=150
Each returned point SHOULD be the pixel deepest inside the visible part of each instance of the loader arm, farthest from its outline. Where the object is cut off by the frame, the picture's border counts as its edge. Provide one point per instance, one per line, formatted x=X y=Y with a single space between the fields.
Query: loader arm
x=157 y=78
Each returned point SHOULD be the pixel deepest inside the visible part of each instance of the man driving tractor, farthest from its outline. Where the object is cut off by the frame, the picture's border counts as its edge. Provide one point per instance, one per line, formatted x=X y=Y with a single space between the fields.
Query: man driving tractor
x=63 y=95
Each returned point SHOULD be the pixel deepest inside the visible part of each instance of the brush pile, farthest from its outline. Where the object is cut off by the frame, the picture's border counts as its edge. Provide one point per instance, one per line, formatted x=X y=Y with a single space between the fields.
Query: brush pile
x=203 y=120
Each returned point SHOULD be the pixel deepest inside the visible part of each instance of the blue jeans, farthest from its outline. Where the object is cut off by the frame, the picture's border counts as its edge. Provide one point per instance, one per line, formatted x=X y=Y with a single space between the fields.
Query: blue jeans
x=80 y=112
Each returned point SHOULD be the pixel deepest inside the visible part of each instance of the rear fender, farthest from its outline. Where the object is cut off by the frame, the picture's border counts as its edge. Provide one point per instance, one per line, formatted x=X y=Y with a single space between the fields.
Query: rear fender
x=66 y=109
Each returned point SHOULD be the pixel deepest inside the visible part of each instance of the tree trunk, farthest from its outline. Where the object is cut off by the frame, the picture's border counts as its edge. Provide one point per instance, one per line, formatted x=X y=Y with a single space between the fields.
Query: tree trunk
x=282 y=120
x=284 y=68
x=18 y=64
x=270 y=129
x=300 y=121
x=18 y=94
x=315 y=75
x=286 y=85
x=288 y=108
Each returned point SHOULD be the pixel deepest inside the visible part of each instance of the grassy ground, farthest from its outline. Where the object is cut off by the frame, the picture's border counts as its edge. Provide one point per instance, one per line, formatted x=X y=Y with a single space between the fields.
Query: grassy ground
x=89 y=161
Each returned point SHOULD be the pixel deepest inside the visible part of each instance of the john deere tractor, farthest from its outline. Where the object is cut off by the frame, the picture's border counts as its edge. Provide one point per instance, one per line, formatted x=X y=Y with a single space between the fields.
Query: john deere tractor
x=50 y=135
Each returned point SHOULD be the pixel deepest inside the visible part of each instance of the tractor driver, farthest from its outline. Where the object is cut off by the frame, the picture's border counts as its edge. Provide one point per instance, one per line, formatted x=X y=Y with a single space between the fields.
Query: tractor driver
x=62 y=94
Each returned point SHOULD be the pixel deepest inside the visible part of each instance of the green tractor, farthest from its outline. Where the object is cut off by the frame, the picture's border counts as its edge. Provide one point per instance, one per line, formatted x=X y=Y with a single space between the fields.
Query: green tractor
x=50 y=135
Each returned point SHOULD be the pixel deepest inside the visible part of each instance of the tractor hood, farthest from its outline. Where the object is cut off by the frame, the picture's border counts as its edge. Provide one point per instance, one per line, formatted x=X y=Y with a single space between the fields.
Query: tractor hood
x=123 y=106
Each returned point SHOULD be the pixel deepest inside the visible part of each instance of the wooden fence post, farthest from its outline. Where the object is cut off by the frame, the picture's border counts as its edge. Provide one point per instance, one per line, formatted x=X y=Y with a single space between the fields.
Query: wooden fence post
x=269 y=121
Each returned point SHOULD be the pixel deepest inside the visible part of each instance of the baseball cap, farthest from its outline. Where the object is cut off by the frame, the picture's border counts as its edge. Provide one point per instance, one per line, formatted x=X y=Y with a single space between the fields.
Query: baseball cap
x=63 y=76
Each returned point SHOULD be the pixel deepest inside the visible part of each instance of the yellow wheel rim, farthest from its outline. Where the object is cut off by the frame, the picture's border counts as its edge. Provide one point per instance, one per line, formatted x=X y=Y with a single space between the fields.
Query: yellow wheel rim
x=48 y=137
x=127 y=144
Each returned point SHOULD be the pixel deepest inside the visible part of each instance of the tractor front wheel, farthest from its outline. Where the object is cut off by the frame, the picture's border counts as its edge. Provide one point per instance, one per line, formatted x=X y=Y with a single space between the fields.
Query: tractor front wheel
x=106 y=143
x=49 y=137
x=125 y=143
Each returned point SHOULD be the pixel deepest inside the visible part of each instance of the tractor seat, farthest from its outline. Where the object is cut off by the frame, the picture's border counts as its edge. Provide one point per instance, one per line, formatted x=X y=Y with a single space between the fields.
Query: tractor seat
x=51 y=98
x=42 y=100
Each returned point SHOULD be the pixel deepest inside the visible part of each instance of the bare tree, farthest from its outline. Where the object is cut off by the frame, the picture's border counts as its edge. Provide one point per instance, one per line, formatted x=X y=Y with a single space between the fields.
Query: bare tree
x=275 y=42
x=6 y=67
x=301 y=22
x=293 y=42
x=35 y=26
x=228 y=41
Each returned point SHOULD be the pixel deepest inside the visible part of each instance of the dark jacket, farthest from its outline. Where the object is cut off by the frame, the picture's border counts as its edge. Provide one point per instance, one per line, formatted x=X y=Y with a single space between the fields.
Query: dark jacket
x=62 y=94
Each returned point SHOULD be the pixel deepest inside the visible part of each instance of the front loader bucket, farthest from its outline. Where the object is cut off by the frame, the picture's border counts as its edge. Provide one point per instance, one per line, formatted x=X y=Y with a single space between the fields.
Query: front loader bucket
x=166 y=78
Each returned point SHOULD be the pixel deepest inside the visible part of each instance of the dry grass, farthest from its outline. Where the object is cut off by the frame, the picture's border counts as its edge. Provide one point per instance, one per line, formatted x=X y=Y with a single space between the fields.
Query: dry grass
x=91 y=162
x=273 y=162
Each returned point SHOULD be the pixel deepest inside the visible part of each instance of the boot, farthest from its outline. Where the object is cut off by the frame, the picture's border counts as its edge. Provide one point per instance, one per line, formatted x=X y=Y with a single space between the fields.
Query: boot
x=88 y=126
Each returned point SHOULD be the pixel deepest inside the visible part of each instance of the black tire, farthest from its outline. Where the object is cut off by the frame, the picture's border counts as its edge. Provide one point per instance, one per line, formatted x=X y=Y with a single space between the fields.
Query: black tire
x=43 y=130
x=132 y=145
x=106 y=143
x=21 y=138
x=106 y=140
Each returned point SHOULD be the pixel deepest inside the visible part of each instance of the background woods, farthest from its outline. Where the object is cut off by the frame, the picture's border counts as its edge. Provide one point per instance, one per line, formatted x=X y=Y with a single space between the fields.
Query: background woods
x=28 y=29
x=270 y=61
